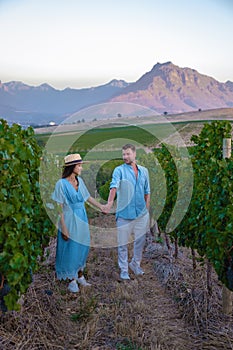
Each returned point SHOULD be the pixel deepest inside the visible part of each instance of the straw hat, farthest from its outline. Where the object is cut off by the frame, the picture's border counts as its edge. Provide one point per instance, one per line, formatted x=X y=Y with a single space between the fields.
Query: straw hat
x=72 y=159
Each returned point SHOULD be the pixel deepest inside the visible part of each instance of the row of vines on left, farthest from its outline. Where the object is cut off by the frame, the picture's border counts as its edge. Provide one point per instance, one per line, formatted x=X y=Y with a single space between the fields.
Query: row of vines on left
x=25 y=228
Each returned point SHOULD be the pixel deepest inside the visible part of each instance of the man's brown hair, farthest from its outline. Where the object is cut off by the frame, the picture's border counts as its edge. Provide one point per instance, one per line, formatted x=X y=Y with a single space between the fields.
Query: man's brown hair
x=129 y=145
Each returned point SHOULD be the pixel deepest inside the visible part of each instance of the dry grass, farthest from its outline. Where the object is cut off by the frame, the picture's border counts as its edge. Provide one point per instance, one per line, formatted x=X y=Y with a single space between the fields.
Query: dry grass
x=166 y=309
x=200 y=309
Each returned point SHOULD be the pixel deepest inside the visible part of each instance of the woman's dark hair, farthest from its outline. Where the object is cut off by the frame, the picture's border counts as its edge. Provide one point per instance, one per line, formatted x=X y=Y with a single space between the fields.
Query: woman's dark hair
x=67 y=171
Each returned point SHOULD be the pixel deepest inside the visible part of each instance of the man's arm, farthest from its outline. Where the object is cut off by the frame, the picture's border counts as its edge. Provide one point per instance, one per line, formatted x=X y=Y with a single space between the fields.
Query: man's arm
x=114 y=185
x=147 y=190
x=111 y=197
x=147 y=200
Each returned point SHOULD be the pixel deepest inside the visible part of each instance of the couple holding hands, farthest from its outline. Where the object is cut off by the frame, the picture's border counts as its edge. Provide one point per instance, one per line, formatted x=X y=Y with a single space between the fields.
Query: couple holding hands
x=130 y=182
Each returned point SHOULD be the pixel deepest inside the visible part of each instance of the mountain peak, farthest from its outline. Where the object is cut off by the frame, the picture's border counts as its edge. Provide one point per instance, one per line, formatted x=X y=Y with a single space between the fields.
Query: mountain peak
x=158 y=65
x=45 y=87
x=14 y=86
x=118 y=83
x=174 y=89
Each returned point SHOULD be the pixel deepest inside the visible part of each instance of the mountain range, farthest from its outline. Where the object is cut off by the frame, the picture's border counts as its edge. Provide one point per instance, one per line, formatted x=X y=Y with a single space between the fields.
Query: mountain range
x=167 y=88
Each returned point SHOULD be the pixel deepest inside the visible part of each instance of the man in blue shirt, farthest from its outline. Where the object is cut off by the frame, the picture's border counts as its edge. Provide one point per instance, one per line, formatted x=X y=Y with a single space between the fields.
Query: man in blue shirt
x=130 y=182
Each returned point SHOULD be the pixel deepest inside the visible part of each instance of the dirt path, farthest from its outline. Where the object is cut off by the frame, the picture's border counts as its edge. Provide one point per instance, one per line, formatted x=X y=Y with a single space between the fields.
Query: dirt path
x=141 y=310
x=140 y=314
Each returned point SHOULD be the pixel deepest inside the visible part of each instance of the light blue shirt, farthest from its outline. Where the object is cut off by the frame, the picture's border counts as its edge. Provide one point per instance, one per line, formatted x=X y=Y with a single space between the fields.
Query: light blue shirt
x=130 y=191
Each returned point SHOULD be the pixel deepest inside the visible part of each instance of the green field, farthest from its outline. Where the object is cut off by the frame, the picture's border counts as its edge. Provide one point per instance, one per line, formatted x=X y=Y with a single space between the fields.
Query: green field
x=107 y=139
x=102 y=141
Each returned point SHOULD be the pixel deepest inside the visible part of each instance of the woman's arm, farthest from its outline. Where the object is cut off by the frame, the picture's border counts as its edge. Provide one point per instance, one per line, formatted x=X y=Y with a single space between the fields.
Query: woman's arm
x=94 y=202
x=64 y=231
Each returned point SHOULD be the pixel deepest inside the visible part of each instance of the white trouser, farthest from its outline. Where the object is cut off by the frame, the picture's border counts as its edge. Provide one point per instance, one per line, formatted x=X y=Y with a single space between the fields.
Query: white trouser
x=125 y=228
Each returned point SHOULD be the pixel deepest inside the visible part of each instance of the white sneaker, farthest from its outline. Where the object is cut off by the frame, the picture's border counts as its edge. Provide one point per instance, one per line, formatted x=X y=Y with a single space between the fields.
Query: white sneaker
x=73 y=287
x=83 y=282
x=124 y=275
x=136 y=269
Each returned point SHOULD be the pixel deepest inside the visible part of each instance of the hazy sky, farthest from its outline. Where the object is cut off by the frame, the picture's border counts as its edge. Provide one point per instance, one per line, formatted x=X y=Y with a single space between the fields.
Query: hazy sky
x=73 y=43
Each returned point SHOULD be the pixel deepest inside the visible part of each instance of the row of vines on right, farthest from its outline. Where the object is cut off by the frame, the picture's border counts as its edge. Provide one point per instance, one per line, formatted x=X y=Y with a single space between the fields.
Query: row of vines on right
x=198 y=196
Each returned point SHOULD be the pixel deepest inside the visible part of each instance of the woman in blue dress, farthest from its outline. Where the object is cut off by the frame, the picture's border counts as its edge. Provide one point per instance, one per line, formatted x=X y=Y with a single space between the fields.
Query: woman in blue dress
x=73 y=238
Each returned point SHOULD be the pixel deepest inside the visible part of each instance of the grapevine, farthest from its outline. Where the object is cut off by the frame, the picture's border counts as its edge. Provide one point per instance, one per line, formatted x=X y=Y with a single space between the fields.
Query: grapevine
x=25 y=227
x=208 y=223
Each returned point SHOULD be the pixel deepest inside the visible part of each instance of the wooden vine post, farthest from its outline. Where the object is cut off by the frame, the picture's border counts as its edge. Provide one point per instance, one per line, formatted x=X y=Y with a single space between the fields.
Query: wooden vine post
x=226 y=293
x=226 y=148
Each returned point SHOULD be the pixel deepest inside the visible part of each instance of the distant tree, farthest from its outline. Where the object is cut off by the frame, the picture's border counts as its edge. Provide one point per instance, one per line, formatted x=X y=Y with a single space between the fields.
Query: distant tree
x=119 y=115
x=199 y=110
x=165 y=113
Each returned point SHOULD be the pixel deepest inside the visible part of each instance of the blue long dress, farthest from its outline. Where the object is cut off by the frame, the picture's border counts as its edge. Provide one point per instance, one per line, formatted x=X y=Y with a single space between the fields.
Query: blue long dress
x=71 y=255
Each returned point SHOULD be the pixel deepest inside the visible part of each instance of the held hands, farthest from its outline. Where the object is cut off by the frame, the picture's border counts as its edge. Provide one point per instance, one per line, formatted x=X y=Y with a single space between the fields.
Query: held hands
x=106 y=208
